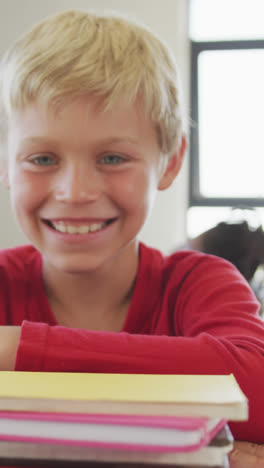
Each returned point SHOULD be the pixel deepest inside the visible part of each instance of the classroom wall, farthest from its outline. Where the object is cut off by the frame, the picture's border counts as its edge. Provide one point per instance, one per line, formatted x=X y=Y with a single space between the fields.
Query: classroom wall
x=166 y=227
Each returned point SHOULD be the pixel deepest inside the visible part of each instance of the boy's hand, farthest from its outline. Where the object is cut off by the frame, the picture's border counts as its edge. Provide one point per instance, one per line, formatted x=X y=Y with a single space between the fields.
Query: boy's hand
x=9 y=339
x=247 y=455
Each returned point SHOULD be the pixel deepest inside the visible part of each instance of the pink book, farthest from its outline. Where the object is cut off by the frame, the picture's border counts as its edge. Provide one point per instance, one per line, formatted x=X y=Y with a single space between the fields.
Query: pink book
x=118 y=432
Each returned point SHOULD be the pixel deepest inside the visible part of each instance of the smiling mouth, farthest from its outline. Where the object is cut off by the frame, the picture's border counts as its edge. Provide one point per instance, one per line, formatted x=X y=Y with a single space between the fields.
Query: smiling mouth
x=68 y=228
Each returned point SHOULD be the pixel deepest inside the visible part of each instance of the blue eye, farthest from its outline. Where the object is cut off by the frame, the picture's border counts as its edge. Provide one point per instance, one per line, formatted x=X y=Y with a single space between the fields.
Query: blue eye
x=112 y=159
x=43 y=160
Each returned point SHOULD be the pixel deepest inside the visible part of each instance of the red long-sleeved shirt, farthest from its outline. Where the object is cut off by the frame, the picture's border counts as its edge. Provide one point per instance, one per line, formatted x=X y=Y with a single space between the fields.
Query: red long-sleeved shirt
x=190 y=314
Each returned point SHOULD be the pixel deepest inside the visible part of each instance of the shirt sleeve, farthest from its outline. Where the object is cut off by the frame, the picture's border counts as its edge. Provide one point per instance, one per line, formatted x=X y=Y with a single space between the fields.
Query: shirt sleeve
x=221 y=334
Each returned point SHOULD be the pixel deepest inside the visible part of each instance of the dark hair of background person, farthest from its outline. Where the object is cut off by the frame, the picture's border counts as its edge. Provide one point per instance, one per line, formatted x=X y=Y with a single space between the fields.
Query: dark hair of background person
x=237 y=242
x=240 y=244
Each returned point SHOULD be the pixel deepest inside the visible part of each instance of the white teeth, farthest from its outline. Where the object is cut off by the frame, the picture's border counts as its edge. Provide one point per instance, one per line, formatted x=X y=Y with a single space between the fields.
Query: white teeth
x=95 y=227
x=59 y=227
x=71 y=230
x=84 y=229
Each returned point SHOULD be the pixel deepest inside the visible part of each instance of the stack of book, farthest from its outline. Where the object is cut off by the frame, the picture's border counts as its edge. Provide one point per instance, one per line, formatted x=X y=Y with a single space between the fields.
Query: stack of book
x=120 y=418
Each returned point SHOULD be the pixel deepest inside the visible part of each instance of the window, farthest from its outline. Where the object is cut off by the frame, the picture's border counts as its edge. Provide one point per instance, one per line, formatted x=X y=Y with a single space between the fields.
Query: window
x=227 y=146
x=227 y=102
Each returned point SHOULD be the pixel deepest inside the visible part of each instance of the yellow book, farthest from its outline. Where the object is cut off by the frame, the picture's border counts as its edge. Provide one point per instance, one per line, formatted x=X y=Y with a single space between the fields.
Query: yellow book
x=147 y=394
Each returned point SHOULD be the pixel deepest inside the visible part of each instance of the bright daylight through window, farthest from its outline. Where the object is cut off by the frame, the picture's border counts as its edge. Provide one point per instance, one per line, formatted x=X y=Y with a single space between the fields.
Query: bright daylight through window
x=227 y=145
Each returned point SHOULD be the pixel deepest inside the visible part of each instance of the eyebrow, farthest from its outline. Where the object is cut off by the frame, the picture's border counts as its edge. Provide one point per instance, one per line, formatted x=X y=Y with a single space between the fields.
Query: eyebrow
x=107 y=140
x=38 y=140
x=123 y=139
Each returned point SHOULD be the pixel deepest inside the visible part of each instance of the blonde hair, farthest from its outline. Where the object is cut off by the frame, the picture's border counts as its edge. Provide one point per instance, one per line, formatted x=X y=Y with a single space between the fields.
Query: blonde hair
x=76 y=53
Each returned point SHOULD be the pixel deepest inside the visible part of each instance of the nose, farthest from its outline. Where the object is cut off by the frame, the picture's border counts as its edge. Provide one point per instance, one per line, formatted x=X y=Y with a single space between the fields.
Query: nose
x=77 y=183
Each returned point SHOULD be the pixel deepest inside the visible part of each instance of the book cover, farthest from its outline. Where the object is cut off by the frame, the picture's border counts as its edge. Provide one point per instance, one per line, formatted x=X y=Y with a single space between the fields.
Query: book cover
x=180 y=395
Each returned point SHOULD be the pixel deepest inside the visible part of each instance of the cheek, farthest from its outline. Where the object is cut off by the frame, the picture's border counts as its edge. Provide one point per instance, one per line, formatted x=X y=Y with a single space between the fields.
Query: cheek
x=25 y=191
x=136 y=191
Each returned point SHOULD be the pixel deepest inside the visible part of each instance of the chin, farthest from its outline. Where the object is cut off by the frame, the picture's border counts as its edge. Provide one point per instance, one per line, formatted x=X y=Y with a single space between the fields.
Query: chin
x=73 y=266
x=72 y=269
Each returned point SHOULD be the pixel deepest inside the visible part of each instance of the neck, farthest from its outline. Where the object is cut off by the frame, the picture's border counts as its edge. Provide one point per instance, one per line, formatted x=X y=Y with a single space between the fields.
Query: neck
x=98 y=300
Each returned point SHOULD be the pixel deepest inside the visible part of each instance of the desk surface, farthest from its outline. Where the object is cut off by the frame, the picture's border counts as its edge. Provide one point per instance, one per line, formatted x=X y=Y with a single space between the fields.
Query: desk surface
x=34 y=464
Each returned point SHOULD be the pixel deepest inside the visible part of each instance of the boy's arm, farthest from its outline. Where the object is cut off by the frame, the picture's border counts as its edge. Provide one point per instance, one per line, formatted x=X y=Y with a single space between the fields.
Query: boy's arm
x=9 y=339
x=247 y=455
x=45 y=348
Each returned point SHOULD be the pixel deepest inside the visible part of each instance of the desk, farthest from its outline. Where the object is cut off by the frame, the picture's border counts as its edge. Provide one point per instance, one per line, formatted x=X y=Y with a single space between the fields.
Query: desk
x=35 y=464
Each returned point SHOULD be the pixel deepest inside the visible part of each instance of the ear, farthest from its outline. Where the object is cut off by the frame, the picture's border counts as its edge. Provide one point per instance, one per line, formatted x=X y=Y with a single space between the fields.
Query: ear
x=173 y=166
x=4 y=178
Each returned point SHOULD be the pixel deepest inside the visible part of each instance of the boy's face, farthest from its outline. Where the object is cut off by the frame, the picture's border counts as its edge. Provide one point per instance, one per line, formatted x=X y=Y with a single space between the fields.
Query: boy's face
x=83 y=181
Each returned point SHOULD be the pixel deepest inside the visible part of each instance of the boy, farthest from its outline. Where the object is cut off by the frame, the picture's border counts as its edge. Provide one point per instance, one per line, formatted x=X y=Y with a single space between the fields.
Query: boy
x=91 y=129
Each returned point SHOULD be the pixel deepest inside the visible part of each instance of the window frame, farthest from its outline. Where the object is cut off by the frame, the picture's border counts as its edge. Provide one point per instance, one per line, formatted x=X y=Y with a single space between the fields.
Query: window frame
x=195 y=196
